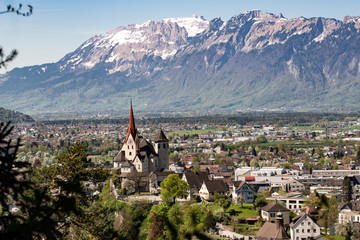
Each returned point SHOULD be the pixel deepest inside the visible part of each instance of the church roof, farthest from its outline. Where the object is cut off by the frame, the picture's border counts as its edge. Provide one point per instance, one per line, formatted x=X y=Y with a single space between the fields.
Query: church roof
x=146 y=148
x=161 y=137
x=120 y=157
x=131 y=129
x=126 y=163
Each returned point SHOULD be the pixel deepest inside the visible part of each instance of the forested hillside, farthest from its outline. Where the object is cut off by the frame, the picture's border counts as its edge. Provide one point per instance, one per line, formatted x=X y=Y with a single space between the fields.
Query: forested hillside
x=13 y=116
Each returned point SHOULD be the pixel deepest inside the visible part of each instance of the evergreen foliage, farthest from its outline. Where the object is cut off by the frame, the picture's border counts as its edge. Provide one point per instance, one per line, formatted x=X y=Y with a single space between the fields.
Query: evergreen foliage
x=347 y=190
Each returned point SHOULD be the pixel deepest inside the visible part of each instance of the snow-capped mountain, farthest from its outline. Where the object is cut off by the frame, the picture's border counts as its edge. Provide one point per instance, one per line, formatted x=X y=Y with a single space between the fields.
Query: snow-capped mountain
x=124 y=47
x=253 y=60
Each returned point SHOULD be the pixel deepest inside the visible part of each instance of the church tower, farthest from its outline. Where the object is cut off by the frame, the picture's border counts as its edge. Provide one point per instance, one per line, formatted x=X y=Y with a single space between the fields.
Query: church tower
x=130 y=146
x=140 y=155
x=162 y=149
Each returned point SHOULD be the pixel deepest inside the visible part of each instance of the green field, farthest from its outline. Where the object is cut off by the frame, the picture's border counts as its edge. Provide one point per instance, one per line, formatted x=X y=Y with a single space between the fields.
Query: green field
x=308 y=128
x=194 y=131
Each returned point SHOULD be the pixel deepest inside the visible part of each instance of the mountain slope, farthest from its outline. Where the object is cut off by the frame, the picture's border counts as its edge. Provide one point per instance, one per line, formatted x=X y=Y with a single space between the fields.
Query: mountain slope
x=254 y=60
x=13 y=116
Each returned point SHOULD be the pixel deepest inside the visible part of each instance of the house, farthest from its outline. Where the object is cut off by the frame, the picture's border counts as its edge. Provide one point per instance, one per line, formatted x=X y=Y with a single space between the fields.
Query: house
x=273 y=231
x=140 y=155
x=293 y=202
x=195 y=181
x=349 y=212
x=242 y=192
x=269 y=212
x=304 y=227
x=210 y=187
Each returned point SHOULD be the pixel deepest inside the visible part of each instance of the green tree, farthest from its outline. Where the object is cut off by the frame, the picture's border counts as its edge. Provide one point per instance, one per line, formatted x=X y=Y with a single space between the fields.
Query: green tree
x=223 y=200
x=196 y=168
x=347 y=190
x=346 y=230
x=41 y=214
x=313 y=200
x=259 y=202
x=173 y=187
x=261 y=139
x=328 y=213
x=194 y=222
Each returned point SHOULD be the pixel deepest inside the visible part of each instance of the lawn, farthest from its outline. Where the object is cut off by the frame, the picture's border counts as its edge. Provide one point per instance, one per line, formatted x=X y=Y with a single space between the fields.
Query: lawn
x=242 y=212
x=333 y=237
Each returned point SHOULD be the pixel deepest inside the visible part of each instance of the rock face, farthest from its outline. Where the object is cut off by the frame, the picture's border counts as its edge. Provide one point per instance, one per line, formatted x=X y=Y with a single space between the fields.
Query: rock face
x=253 y=61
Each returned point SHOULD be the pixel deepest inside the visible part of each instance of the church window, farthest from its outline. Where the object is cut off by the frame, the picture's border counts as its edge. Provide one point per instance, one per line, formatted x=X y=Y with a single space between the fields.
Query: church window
x=132 y=147
x=128 y=147
x=130 y=153
x=164 y=145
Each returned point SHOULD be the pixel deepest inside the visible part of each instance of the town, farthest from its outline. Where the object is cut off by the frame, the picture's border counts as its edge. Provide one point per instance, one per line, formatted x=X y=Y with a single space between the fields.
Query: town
x=260 y=181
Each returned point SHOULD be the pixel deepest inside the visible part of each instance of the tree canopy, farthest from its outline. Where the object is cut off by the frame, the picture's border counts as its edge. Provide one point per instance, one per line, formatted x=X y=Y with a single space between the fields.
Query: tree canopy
x=173 y=187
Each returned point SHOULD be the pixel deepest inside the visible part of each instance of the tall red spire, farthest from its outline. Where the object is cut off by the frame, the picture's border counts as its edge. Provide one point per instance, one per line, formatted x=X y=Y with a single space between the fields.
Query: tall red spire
x=132 y=129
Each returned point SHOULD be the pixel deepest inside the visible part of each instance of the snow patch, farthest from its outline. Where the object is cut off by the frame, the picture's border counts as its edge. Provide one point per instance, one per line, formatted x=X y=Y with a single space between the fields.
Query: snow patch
x=320 y=38
x=165 y=53
x=193 y=25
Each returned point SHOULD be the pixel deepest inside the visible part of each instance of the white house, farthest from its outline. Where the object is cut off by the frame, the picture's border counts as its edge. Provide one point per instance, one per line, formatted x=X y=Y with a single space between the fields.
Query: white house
x=304 y=227
x=209 y=188
x=349 y=212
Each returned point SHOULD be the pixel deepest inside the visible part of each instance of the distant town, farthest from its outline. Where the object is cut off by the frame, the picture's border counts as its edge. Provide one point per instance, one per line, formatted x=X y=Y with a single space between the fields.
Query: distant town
x=258 y=180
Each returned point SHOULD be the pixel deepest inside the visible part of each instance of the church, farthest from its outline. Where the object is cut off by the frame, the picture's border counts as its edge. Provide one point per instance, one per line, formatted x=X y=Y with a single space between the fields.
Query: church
x=140 y=155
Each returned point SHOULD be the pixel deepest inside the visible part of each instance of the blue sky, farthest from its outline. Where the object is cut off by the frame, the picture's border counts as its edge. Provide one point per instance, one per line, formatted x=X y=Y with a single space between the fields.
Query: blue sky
x=58 y=27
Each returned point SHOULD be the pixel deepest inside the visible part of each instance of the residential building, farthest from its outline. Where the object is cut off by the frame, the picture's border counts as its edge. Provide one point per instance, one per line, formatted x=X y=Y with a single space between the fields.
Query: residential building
x=242 y=192
x=304 y=227
x=195 y=181
x=269 y=212
x=293 y=202
x=349 y=212
x=210 y=187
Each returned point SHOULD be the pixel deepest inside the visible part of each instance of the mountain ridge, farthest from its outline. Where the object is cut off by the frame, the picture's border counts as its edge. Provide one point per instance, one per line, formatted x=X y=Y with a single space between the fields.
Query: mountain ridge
x=254 y=60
